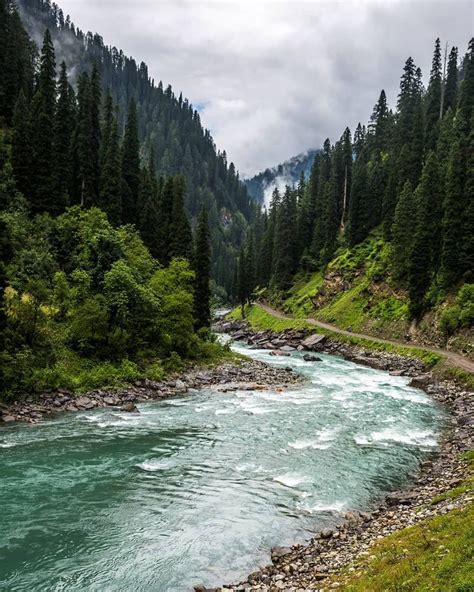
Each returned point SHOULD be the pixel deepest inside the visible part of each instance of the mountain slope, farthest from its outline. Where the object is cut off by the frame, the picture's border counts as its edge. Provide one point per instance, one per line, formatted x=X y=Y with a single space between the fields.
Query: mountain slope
x=169 y=128
x=289 y=172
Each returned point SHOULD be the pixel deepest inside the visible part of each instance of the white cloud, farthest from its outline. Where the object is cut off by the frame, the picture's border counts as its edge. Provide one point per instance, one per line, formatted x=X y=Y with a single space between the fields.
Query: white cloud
x=277 y=77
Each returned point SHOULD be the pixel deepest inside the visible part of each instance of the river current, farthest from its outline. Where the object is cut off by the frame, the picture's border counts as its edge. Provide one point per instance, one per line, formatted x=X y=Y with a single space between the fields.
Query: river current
x=197 y=489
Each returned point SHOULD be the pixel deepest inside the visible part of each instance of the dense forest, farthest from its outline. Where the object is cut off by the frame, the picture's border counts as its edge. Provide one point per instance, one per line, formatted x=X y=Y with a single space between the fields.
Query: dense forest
x=101 y=274
x=169 y=129
x=408 y=174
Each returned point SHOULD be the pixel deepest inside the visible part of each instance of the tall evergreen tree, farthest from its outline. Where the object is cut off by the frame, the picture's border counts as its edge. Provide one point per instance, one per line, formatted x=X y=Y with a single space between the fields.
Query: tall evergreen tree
x=110 y=194
x=62 y=144
x=425 y=252
x=43 y=111
x=433 y=99
x=403 y=230
x=451 y=85
x=22 y=157
x=181 y=239
x=131 y=166
x=202 y=269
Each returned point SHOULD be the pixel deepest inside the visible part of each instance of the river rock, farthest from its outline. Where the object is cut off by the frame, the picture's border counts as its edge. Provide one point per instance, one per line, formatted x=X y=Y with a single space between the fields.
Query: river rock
x=401 y=498
x=310 y=358
x=314 y=341
x=129 y=408
x=279 y=353
x=421 y=381
x=85 y=403
x=279 y=552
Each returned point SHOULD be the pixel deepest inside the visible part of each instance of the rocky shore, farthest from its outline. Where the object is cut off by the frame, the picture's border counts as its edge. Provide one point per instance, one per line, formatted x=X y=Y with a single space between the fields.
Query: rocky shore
x=316 y=566
x=241 y=375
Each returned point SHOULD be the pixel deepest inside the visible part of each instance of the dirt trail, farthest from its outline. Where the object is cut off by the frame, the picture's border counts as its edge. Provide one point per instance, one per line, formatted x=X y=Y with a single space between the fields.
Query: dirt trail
x=456 y=359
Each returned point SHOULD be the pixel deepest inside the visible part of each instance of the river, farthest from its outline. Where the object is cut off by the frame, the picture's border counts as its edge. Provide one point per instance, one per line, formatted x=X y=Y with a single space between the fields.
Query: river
x=196 y=490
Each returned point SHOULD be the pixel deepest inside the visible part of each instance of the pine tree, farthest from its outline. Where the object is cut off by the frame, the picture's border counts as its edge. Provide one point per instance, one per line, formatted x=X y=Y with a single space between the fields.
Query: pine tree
x=359 y=214
x=424 y=254
x=108 y=122
x=148 y=216
x=21 y=146
x=452 y=263
x=131 y=166
x=285 y=253
x=319 y=234
x=433 y=99
x=181 y=239
x=451 y=86
x=165 y=214
x=403 y=230
x=110 y=194
x=83 y=176
x=62 y=145
x=202 y=269
x=43 y=111
x=96 y=137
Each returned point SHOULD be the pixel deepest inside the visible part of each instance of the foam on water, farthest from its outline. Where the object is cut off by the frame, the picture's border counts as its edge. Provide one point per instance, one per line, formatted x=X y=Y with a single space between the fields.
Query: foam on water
x=290 y=480
x=421 y=438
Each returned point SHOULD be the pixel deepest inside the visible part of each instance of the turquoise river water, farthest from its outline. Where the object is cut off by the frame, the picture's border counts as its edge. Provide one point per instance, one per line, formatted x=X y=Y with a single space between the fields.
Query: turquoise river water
x=196 y=490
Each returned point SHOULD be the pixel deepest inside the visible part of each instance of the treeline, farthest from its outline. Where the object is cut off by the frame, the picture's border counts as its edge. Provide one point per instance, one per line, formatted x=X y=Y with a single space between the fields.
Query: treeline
x=169 y=129
x=410 y=172
x=98 y=262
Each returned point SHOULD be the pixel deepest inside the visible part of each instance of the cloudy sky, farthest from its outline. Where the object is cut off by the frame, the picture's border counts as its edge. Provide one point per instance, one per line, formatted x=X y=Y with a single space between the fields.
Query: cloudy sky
x=273 y=78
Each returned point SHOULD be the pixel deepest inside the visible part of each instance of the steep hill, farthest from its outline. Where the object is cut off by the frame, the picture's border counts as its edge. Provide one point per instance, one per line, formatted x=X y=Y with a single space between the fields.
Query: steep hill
x=169 y=127
x=289 y=172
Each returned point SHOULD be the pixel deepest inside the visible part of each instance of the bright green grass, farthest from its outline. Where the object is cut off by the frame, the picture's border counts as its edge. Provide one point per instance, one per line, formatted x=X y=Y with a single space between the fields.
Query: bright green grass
x=348 y=308
x=299 y=303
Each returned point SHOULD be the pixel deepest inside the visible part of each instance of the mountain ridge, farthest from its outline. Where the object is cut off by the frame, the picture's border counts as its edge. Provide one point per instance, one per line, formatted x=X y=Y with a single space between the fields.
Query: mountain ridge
x=261 y=186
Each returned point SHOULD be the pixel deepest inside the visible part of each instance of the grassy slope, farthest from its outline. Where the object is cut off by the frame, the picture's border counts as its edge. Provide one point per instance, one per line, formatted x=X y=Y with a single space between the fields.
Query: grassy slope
x=358 y=292
x=436 y=555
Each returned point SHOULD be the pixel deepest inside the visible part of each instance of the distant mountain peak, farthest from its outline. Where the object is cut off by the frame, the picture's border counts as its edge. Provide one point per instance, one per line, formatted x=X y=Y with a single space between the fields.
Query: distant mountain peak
x=261 y=186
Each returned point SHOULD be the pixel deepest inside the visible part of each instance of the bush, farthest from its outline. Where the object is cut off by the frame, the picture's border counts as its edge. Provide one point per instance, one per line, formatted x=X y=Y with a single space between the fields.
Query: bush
x=461 y=314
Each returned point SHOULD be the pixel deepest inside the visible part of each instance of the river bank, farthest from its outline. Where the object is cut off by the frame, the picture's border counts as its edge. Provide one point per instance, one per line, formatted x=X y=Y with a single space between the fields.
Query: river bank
x=317 y=565
x=226 y=377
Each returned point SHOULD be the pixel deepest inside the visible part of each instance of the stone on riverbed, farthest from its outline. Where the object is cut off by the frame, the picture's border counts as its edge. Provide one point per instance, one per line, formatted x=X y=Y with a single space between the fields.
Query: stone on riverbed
x=129 y=408
x=310 y=358
x=279 y=552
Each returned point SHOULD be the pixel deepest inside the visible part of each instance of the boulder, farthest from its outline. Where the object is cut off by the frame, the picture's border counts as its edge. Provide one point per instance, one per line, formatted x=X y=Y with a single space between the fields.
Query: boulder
x=421 y=381
x=327 y=533
x=314 y=341
x=403 y=498
x=310 y=358
x=85 y=403
x=280 y=353
x=129 y=408
x=279 y=552
x=288 y=348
